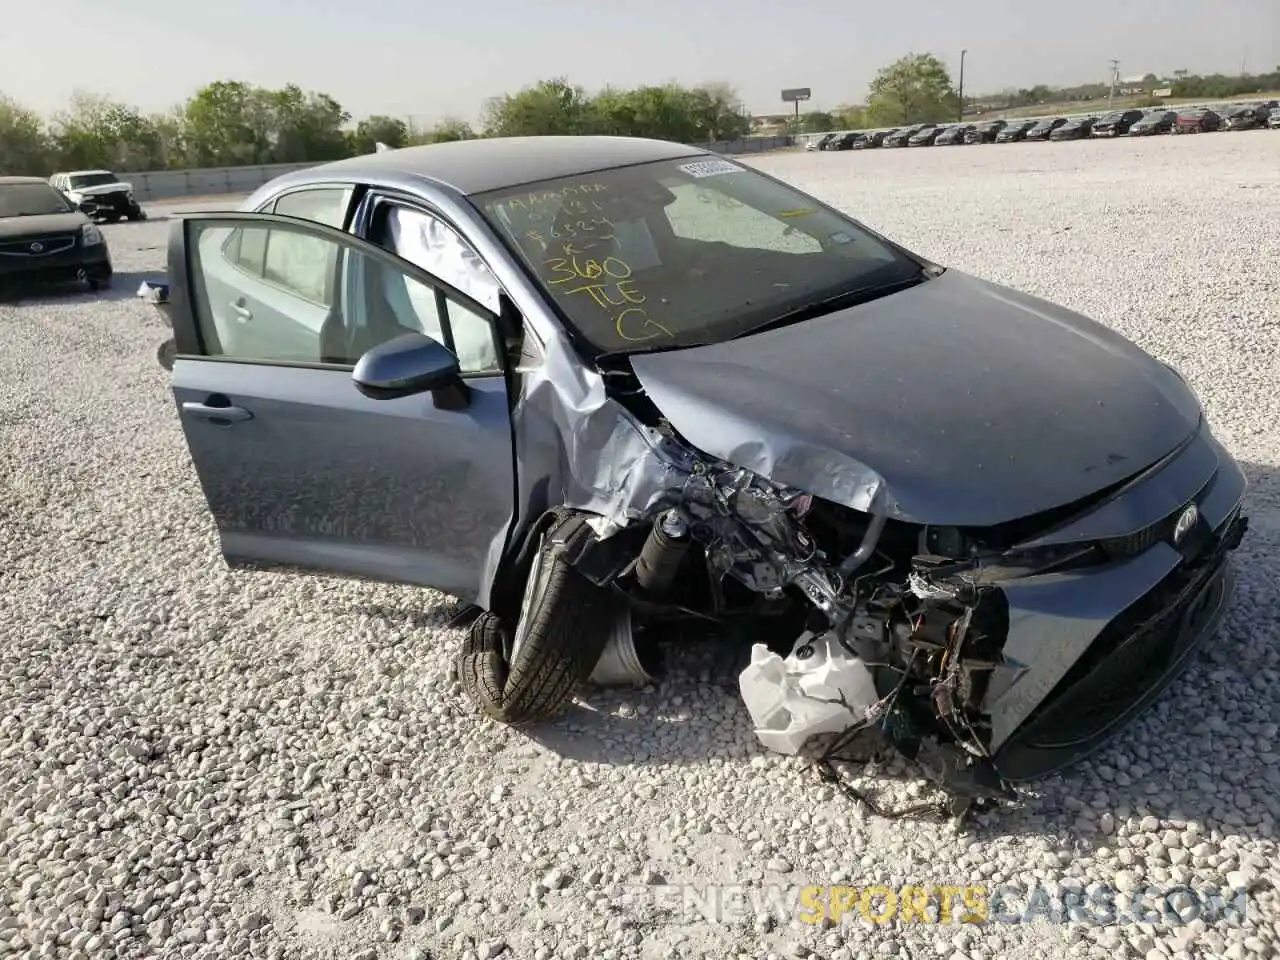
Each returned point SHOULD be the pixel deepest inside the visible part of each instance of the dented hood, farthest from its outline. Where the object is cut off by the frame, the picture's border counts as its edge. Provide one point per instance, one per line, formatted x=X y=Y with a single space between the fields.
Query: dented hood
x=965 y=402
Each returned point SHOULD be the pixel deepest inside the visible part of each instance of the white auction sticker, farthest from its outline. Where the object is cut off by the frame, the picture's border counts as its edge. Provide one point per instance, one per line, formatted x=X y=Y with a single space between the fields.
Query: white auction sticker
x=709 y=168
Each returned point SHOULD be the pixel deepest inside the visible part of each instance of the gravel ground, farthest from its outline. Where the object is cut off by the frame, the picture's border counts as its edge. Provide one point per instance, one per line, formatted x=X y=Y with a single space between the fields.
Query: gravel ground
x=197 y=763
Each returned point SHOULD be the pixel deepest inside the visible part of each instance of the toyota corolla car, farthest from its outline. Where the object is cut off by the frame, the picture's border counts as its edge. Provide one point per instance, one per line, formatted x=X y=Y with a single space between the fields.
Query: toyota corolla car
x=609 y=390
x=44 y=238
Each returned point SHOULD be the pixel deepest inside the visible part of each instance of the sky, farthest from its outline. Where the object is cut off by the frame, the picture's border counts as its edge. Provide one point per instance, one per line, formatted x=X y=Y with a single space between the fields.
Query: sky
x=426 y=61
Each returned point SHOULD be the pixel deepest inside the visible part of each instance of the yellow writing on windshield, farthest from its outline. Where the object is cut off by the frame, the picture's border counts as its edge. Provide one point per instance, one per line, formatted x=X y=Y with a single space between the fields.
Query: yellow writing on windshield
x=541 y=198
x=608 y=282
x=803 y=212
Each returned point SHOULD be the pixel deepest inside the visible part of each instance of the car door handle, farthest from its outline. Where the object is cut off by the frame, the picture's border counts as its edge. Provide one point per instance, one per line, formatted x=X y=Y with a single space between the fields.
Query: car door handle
x=241 y=311
x=226 y=414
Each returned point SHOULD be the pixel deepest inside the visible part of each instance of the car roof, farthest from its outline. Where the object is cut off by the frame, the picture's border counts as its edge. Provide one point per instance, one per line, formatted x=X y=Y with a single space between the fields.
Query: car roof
x=84 y=173
x=14 y=181
x=492 y=163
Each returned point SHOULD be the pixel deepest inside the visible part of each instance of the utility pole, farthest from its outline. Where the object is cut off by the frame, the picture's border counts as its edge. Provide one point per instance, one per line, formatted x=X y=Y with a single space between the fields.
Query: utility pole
x=960 y=119
x=1115 y=75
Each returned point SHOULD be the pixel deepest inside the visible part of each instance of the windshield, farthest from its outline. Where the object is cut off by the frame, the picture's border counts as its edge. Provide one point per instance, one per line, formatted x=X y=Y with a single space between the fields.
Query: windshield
x=683 y=252
x=31 y=200
x=81 y=180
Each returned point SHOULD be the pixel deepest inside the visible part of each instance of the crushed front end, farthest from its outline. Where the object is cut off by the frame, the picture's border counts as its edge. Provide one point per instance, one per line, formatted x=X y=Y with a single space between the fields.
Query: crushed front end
x=990 y=656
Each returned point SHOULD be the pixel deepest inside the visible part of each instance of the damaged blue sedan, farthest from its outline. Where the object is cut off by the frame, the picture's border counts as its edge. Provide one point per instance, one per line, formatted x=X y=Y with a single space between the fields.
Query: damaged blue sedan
x=610 y=391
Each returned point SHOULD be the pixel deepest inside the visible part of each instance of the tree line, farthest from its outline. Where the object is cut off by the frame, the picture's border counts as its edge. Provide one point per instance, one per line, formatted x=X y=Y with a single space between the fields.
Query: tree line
x=231 y=123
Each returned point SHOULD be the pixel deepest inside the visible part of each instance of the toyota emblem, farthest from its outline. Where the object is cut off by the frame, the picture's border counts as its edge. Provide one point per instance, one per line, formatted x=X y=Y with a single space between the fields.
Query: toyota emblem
x=1186 y=522
x=37 y=247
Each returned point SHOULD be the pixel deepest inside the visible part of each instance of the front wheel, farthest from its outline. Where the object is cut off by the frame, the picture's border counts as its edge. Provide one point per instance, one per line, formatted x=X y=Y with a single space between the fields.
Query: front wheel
x=528 y=671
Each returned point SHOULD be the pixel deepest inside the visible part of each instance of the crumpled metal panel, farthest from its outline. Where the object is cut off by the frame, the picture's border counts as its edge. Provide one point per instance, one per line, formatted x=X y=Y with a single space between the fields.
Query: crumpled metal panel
x=971 y=403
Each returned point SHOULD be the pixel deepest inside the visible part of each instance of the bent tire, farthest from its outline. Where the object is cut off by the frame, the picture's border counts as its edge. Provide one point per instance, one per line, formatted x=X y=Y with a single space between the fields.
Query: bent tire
x=563 y=628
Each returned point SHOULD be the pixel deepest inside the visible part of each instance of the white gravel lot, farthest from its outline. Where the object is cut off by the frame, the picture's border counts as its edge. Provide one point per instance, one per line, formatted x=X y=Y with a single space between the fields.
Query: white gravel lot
x=196 y=763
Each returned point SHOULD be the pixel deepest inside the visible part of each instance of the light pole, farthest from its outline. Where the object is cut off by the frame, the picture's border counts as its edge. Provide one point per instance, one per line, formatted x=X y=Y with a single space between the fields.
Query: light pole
x=960 y=119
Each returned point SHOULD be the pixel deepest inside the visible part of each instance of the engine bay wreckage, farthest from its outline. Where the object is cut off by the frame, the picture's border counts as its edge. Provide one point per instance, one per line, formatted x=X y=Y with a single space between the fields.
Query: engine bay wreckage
x=989 y=655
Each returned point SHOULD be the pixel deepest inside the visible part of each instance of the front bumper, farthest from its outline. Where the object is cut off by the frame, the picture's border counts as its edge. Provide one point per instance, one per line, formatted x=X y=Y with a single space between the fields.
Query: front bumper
x=1089 y=650
x=57 y=262
x=113 y=205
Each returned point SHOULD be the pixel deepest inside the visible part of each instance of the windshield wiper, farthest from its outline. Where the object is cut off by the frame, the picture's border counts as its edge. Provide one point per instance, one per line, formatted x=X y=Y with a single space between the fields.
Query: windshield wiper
x=841 y=301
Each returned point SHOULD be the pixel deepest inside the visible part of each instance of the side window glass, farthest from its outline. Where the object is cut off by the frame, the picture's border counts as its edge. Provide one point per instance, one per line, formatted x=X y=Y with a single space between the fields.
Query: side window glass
x=251 y=250
x=256 y=318
x=434 y=246
x=301 y=263
x=327 y=205
x=706 y=214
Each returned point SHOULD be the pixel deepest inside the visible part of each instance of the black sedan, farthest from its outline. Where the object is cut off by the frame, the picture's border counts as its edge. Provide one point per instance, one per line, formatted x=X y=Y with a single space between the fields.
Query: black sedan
x=900 y=138
x=1078 y=129
x=1154 y=122
x=985 y=132
x=1116 y=124
x=1248 y=116
x=925 y=136
x=871 y=139
x=954 y=134
x=1043 y=130
x=1015 y=131
x=45 y=238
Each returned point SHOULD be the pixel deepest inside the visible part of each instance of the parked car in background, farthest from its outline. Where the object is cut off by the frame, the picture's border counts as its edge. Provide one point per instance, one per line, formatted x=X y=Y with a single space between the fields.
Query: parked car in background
x=1197 y=120
x=819 y=142
x=46 y=238
x=900 y=137
x=1154 y=122
x=1015 y=130
x=846 y=140
x=1116 y=124
x=1078 y=129
x=985 y=132
x=925 y=136
x=1273 y=120
x=99 y=193
x=1248 y=116
x=736 y=455
x=953 y=134
x=873 y=138
x=1044 y=129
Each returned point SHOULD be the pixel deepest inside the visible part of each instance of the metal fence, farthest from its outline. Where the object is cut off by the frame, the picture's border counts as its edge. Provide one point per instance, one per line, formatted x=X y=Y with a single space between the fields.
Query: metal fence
x=214 y=181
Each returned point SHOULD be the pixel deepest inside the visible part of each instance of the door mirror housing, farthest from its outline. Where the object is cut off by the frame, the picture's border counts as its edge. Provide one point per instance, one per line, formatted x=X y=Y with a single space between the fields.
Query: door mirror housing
x=410 y=364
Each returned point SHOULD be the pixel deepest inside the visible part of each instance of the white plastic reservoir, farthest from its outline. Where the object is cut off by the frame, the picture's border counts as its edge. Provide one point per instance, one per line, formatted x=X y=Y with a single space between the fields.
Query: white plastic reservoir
x=792 y=699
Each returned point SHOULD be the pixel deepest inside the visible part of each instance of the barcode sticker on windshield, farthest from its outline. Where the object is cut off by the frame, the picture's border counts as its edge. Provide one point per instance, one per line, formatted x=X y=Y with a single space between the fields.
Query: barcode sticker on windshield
x=709 y=168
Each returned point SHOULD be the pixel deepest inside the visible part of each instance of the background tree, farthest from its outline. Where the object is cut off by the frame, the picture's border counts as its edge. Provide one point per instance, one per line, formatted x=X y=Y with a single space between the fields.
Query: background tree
x=370 y=131
x=97 y=132
x=448 y=130
x=914 y=89
x=24 y=148
x=548 y=108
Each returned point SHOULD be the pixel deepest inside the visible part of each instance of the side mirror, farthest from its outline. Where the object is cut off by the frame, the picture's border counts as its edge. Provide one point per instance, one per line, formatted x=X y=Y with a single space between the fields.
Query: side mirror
x=410 y=364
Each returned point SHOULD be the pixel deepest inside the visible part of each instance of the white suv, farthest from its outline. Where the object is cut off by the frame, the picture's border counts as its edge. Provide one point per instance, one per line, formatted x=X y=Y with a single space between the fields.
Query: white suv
x=99 y=193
